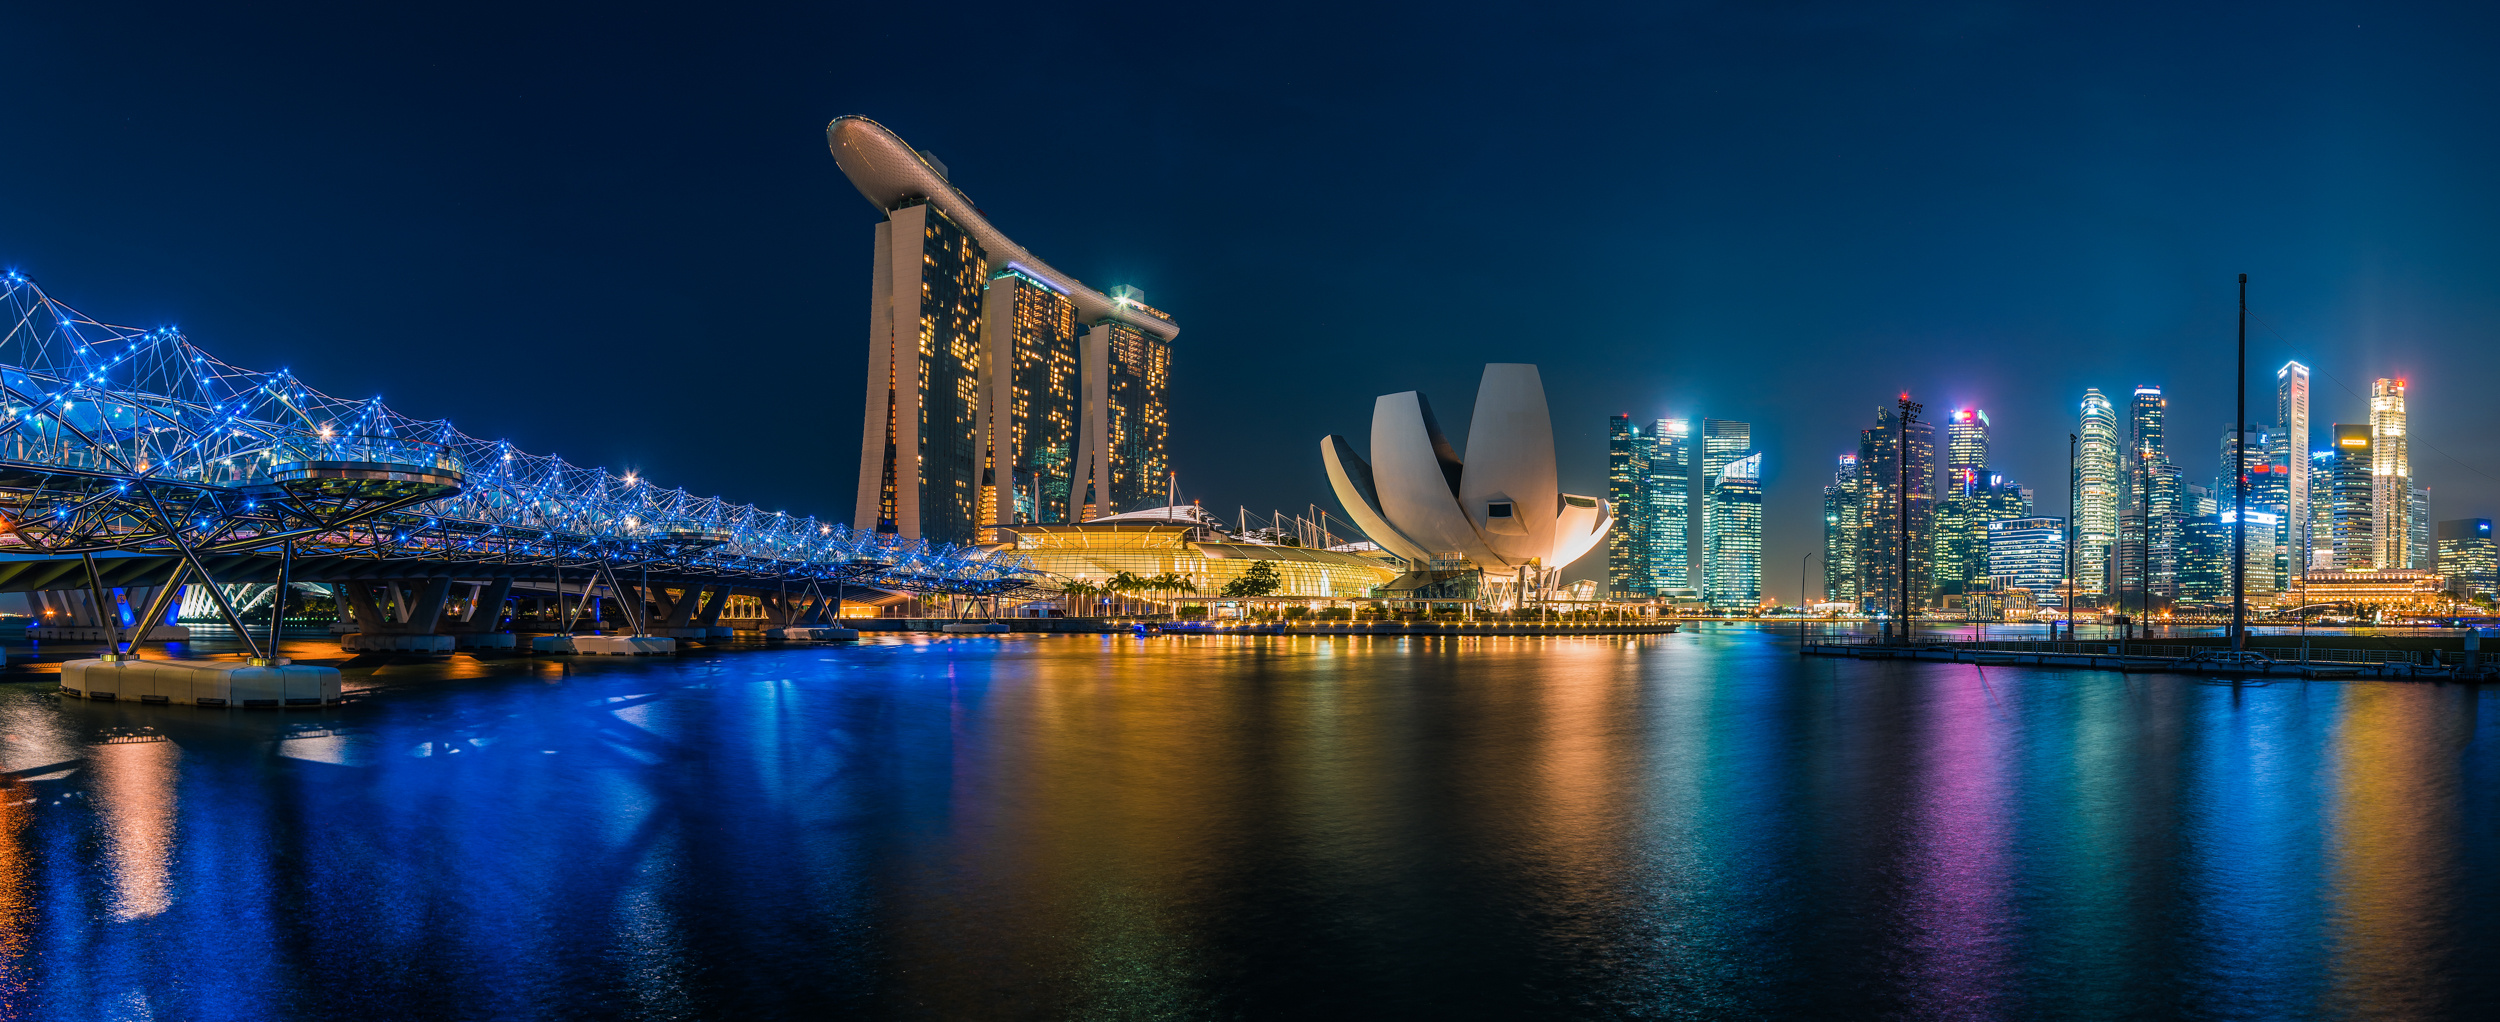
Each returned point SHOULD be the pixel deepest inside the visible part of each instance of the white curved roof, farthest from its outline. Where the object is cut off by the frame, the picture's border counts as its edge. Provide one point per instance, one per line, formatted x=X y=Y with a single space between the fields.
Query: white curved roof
x=890 y=172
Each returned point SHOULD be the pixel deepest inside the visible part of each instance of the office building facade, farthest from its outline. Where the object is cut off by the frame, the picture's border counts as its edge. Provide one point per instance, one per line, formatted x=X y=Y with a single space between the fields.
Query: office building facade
x=1628 y=450
x=1725 y=442
x=1842 y=518
x=2352 y=503
x=1735 y=577
x=1670 y=500
x=1898 y=495
x=2391 y=477
x=2097 y=489
x=2029 y=553
x=2288 y=449
x=2468 y=559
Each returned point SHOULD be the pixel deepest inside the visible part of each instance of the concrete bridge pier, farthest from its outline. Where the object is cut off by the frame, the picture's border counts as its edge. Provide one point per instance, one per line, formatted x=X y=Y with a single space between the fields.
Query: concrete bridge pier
x=413 y=623
x=481 y=626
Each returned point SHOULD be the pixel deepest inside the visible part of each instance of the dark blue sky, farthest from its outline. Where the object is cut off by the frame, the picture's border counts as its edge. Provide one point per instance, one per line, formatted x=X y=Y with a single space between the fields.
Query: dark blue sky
x=616 y=235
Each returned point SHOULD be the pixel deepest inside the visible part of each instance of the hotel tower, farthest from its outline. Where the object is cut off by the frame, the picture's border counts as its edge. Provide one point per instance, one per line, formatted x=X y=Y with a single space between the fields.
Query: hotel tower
x=999 y=390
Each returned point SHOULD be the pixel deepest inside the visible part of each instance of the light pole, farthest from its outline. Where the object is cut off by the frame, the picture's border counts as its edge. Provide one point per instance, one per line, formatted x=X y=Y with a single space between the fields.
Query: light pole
x=2239 y=499
x=2074 y=482
x=1801 y=597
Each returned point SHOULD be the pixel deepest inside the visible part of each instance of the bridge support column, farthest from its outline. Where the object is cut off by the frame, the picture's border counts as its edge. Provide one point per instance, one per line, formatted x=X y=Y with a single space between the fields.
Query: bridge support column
x=712 y=606
x=486 y=611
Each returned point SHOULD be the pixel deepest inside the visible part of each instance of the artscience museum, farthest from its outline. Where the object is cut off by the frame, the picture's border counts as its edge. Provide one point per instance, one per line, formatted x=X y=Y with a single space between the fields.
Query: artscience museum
x=1494 y=527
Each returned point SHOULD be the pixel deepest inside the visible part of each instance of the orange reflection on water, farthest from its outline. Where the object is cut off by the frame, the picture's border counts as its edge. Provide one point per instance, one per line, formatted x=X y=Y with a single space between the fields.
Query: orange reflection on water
x=2393 y=845
x=16 y=804
x=134 y=793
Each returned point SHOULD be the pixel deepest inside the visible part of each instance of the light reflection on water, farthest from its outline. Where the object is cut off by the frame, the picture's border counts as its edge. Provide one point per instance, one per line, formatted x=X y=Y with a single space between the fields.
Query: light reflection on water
x=1698 y=825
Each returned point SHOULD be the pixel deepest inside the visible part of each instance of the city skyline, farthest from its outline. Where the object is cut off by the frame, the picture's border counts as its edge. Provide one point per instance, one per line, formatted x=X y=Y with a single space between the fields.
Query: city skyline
x=2341 y=188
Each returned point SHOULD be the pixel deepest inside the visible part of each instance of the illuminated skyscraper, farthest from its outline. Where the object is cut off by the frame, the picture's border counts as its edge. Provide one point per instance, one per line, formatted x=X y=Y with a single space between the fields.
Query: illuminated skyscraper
x=1735 y=554
x=1029 y=390
x=2418 y=535
x=2205 y=560
x=2468 y=559
x=1966 y=450
x=2391 y=477
x=1628 y=451
x=2097 y=495
x=1962 y=520
x=964 y=427
x=1881 y=482
x=1670 y=505
x=1723 y=443
x=2291 y=449
x=2029 y=553
x=1123 y=459
x=2145 y=451
x=1843 y=515
x=2352 y=500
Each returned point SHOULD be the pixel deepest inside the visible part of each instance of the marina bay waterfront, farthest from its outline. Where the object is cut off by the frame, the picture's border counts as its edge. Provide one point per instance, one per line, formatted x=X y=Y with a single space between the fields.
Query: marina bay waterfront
x=1701 y=824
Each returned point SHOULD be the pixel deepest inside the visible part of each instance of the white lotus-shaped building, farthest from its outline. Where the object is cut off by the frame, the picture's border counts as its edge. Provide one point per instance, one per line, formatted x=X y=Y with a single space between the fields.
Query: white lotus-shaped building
x=1500 y=509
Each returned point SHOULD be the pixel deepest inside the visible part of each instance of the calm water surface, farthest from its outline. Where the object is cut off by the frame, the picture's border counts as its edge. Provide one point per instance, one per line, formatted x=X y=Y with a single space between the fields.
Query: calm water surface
x=1699 y=825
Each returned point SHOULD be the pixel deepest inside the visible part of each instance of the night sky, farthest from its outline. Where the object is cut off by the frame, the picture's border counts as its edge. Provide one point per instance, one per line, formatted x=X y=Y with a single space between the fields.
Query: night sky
x=618 y=236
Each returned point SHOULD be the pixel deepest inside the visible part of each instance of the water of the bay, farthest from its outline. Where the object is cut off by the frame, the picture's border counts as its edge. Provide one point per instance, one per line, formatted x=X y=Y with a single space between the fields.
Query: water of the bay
x=1700 y=825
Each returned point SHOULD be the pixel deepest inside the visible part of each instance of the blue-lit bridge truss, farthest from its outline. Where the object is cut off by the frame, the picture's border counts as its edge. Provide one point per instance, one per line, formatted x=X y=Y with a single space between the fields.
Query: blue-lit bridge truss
x=117 y=441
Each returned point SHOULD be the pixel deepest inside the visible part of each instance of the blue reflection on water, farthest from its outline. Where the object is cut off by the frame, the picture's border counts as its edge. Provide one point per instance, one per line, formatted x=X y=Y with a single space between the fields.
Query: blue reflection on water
x=1699 y=825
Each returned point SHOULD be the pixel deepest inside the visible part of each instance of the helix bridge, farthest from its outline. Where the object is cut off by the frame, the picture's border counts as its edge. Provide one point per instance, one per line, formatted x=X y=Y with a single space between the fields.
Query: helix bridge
x=132 y=457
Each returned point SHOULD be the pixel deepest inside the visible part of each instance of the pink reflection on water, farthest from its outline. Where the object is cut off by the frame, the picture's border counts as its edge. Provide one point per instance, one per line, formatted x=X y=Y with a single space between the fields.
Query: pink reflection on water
x=1956 y=958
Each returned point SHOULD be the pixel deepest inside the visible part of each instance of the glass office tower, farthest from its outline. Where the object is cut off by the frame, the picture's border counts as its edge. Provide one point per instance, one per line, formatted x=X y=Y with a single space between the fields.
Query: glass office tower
x=2391 y=477
x=1883 y=478
x=1670 y=505
x=2097 y=493
x=1723 y=442
x=1628 y=450
x=2353 y=505
x=2469 y=560
x=1736 y=536
x=1843 y=513
x=2030 y=554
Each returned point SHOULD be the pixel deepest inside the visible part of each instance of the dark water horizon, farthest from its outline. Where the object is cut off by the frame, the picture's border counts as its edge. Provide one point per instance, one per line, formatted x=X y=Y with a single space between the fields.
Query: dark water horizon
x=1699 y=825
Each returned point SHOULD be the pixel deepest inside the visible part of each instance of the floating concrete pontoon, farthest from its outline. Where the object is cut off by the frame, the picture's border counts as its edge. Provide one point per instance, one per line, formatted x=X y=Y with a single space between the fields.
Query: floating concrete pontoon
x=483 y=640
x=975 y=628
x=604 y=645
x=80 y=633
x=211 y=683
x=359 y=642
x=814 y=634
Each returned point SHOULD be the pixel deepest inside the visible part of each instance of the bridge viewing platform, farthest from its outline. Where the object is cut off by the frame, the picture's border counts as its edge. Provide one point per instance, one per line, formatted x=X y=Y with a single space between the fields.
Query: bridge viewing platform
x=134 y=464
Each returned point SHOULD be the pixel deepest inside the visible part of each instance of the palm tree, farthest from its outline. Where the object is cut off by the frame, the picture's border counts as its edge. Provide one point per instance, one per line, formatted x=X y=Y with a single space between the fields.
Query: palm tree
x=1127 y=582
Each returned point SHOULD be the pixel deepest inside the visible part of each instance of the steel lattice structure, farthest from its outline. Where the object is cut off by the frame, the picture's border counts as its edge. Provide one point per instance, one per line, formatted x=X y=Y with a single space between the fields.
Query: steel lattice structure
x=119 y=439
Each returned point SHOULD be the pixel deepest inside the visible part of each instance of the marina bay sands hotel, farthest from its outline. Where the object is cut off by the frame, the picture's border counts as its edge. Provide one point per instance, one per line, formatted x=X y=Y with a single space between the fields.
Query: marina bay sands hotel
x=1000 y=390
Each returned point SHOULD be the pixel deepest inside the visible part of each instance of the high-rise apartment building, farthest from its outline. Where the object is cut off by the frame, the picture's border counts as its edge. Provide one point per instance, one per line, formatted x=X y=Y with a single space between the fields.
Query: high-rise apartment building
x=2290 y=447
x=2352 y=499
x=1735 y=576
x=1670 y=505
x=981 y=400
x=1723 y=442
x=1843 y=514
x=1885 y=477
x=2029 y=553
x=2391 y=477
x=2468 y=559
x=1628 y=450
x=2097 y=493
